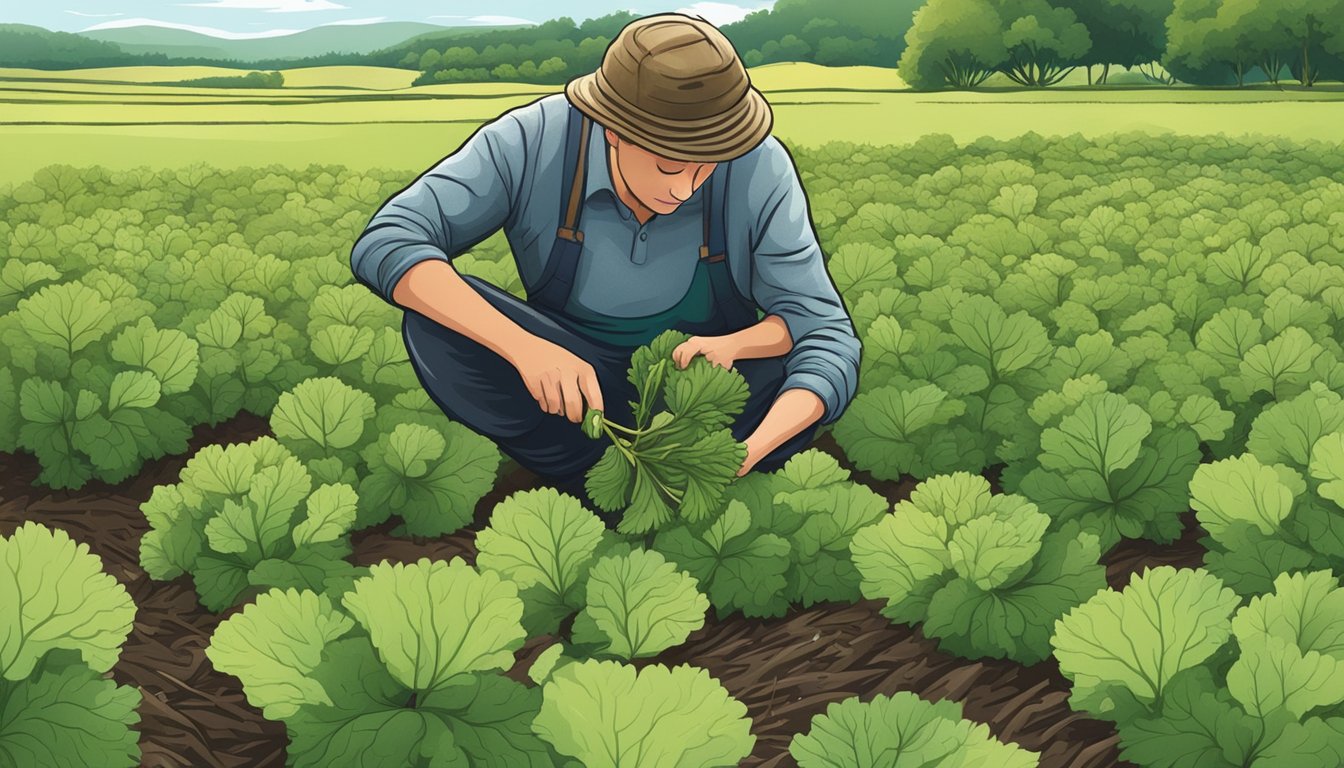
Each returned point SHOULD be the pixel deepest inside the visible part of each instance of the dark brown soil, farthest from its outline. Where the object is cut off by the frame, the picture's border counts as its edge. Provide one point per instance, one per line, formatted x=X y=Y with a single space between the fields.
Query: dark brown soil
x=785 y=670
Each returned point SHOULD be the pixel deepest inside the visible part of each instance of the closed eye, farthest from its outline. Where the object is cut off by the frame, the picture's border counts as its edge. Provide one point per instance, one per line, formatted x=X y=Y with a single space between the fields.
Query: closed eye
x=669 y=173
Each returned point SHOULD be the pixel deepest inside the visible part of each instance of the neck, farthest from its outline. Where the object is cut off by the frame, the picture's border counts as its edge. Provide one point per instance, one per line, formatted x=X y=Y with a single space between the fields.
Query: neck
x=642 y=213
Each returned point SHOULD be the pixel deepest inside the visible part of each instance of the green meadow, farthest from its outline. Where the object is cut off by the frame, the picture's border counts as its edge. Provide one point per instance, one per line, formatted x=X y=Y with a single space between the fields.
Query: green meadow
x=367 y=117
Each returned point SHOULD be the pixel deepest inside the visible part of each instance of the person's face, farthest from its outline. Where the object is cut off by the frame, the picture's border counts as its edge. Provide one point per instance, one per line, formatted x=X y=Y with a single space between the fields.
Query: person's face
x=658 y=183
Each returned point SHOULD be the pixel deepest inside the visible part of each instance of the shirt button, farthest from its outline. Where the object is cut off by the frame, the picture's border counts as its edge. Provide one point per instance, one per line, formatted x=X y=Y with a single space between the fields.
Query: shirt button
x=643 y=235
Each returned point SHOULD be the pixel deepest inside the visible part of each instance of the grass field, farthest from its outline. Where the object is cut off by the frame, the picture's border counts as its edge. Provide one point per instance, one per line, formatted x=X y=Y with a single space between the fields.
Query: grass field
x=369 y=116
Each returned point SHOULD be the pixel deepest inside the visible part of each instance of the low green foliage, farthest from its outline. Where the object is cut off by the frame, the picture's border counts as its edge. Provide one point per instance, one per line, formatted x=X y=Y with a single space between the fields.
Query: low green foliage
x=1182 y=695
x=901 y=730
x=246 y=517
x=64 y=621
x=667 y=717
x=978 y=569
x=680 y=454
x=404 y=671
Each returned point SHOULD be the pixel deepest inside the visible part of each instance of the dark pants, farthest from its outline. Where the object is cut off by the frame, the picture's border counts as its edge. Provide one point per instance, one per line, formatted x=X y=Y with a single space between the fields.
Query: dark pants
x=478 y=388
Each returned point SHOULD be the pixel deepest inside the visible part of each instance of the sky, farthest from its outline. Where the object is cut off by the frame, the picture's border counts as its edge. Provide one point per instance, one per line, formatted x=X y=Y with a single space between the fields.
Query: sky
x=239 y=19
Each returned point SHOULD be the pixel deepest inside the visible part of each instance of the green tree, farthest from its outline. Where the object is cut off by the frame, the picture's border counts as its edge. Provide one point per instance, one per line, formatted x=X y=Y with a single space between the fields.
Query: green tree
x=429 y=60
x=1126 y=33
x=953 y=42
x=1201 y=46
x=1044 y=43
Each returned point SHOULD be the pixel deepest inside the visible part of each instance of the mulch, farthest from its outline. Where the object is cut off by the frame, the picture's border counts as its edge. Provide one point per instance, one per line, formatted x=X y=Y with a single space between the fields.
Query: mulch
x=784 y=670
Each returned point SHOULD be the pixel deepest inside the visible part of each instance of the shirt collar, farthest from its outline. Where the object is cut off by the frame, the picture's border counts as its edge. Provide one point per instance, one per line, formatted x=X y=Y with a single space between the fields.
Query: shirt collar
x=599 y=175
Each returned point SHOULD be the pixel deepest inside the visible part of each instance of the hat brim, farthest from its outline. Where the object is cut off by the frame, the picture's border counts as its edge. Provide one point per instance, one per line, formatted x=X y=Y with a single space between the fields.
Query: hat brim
x=707 y=140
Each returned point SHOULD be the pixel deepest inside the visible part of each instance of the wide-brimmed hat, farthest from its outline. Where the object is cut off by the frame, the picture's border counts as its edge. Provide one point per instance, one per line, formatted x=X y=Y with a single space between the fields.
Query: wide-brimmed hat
x=674 y=85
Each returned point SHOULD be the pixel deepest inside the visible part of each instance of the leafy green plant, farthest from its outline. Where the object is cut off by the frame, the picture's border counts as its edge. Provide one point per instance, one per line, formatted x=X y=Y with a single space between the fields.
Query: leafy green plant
x=1181 y=694
x=246 y=517
x=64 y=621
x=606 y=714
x=978 y=570
x=779 y=538
x=901 y=730
x=405 y=674
x=1106 y=466
x=627 y=602
x=680 y=453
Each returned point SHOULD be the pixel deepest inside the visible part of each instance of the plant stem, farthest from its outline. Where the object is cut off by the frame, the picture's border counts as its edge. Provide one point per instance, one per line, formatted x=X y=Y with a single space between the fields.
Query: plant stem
x=618 y=442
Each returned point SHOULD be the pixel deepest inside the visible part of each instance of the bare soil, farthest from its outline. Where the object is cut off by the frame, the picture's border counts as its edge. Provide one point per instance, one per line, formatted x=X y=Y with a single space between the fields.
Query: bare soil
x=785 y=670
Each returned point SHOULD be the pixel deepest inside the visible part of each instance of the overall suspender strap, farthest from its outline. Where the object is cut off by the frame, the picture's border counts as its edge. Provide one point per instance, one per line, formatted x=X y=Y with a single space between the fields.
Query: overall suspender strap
x=557 y=278
x=737 y=312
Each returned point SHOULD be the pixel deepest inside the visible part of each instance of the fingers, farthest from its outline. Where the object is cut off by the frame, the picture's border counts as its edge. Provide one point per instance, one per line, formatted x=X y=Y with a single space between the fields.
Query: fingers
x=573 y=398
x=591 y=389
x=551 y=396
x=687 y=350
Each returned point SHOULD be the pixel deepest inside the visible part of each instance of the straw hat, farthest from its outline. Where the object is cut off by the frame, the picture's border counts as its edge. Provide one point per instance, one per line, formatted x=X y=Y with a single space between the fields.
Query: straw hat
x=674 y=85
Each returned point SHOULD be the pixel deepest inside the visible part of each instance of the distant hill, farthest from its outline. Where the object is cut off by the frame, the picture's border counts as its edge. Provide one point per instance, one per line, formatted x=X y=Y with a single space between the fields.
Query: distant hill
x=334 y=38
x=23 y=45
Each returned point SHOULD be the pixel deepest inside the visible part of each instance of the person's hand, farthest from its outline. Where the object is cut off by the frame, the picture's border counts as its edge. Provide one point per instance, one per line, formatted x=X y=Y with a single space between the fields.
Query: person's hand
x=559 y=380
x=753 y=456
x=719 y=350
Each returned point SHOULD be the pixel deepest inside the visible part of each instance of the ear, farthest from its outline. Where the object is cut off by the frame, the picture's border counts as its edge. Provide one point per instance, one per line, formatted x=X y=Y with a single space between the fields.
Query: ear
x=612 y=138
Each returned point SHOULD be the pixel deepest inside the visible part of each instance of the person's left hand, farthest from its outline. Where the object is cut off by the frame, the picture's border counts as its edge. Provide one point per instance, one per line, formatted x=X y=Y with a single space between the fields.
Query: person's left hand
x=719 y=350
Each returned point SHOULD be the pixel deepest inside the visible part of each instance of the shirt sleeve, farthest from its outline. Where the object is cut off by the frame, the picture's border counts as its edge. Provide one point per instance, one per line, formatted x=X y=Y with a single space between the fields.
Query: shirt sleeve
x=448 y=209
x=789 y=279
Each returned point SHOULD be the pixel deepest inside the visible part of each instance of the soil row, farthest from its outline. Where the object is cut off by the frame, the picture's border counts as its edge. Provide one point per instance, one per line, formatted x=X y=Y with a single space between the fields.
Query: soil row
x=785 y=670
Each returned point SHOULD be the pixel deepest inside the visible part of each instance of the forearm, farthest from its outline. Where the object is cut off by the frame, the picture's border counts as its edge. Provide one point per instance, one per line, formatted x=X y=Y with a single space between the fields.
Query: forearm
x=436 y=290
x=792 y=412
x=768 y=338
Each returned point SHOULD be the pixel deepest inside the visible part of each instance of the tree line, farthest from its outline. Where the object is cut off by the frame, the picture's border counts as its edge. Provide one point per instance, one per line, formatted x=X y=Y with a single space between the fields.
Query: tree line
x=961 y=43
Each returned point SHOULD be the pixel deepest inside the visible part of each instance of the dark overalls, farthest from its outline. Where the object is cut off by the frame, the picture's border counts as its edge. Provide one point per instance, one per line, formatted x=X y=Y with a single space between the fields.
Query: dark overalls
x=480 y=389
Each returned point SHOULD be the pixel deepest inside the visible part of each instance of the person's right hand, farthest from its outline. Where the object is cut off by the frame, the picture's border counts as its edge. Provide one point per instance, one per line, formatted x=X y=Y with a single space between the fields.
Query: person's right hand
x=559 y=380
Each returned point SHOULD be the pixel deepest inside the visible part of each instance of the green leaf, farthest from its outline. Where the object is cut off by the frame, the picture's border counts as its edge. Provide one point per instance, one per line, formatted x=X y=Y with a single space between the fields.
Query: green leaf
x=882 y=430
x=1241 y=489
x=325 y=412
x=1209 y=420
x=273 y=644
x=1172 y=620
x=1286 y=432
x=256 y=524
x=605 y=715
x=1017 y=621
x=989 y=551
x=491 y=719
x=610 y=480
x=638 y=604
x=434 y=620
x=1292 y=646
x=331 y=513
x=133 y=389
x=340 y=344
x=898 y=731
x=902 y=559
x=55 y=595
x=68 y=317
x=171 y=355
x=68 y=715
x=1003 y=344
x=1102 y=435
x=1327 y=465
x=738 y=566
x=705 y=394
x=540 y=537
x=1199 y=728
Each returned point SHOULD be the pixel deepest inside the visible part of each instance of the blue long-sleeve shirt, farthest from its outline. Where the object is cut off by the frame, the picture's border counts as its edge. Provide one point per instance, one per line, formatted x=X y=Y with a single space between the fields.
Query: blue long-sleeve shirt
x=508 y=175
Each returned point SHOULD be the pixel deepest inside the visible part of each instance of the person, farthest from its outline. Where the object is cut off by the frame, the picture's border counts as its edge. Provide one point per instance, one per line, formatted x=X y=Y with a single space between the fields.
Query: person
x=648 y=195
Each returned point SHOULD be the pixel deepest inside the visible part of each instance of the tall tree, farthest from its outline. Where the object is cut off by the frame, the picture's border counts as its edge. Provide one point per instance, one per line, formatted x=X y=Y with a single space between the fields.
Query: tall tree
x=953 y=42
x=1125 y=33
x=1044 y=42
x=1196 y=44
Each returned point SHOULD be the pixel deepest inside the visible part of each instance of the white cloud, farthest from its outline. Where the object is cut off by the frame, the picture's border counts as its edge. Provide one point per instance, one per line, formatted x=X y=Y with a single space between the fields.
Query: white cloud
x=211 y=31
x=488 y=20
x=94 y=15
x=354 y=22
x=719 y=14
x=271 y=6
